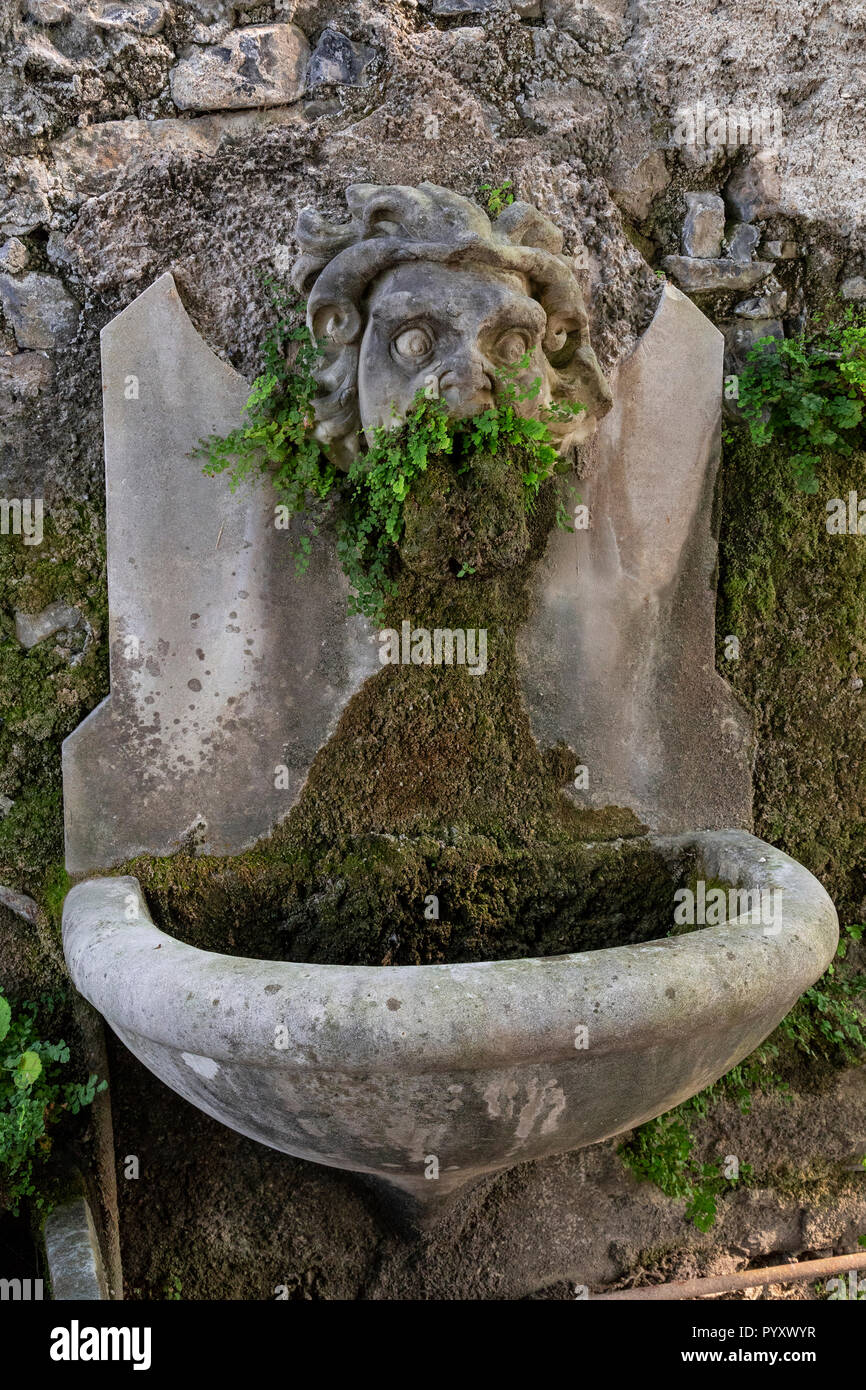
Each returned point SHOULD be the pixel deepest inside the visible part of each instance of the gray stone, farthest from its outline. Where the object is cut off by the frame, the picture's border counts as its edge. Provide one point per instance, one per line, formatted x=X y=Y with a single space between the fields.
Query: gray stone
x=135 y=17
x=704 y=226
x=19 y=903
x=742 y=241
x=261 y=65
x=854 y=287
x=6 y=804
x=41 y=310
x=741 y=337
x=14 y=256
x=618 y=658
x=768 y=306
x=338 y=60
x=375 y=1069
x=449 y=9
x=32 y=628
x=224 y=665
x=23 y=377
x=39 y=55
x=754 y=189
x=72 y=1254
x=636 y=189
x=48 y=11
x=24 y=204
x=781 y=250
x=693 y=274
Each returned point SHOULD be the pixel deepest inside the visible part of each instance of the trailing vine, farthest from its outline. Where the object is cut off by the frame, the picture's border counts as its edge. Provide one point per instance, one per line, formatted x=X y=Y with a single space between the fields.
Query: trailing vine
x=367 y=501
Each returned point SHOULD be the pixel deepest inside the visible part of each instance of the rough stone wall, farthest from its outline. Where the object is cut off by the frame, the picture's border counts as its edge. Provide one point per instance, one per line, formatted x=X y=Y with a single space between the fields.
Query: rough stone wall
x=139 y=136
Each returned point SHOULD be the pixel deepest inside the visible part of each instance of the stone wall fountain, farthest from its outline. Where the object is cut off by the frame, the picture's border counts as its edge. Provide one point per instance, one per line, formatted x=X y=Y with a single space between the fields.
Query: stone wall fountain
x=225 y=667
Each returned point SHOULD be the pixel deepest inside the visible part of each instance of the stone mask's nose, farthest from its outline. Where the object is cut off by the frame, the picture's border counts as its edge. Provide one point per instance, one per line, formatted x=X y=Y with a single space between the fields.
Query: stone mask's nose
x=467 y=386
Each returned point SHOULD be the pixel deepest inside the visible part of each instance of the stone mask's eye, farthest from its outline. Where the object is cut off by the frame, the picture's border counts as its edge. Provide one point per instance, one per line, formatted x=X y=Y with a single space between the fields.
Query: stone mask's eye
x=512 y=346
x=412 y=345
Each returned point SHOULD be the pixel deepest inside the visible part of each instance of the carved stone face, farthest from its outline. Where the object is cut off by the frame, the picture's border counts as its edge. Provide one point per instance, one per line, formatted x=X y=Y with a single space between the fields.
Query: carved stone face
x=420 y=287
x=455 y=328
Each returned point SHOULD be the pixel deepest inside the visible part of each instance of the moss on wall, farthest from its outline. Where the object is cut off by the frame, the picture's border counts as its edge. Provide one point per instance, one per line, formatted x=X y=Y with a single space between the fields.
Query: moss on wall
x=795 y=597
x=46 y=692
x=432 y=827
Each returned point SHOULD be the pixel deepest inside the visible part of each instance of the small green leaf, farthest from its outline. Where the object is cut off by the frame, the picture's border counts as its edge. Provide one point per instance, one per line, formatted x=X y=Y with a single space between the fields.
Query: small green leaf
x=28 y=1070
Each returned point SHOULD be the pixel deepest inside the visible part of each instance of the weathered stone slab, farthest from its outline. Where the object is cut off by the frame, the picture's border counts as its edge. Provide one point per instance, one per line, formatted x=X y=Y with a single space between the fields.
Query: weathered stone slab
x=224 y=665
x=619 y=655
x=260 y=65
x=724 y=273
x=72 y=1253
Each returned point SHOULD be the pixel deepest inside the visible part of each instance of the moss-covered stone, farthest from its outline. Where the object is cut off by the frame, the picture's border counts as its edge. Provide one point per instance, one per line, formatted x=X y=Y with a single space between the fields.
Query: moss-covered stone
x=432 y=827
x=46 y=691
x=396 y=900
x=795 y=597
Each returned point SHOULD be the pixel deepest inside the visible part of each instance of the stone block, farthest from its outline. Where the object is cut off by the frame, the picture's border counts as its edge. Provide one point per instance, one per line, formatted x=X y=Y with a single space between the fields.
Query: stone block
x=261 y=65
x=704 y=226
x=338 y=60
x=41 y=310
x=133 y=16
x=72 y=1253
x=696 y=275
x=14 y=256
x=742 y=241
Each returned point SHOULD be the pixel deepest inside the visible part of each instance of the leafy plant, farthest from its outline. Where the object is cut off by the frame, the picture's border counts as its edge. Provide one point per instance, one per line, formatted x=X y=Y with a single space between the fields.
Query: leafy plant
x=808 y=392
x=32 y=1098
x=828 y=1019
x=661 y=1152
x=367 y=501
x=499 y=196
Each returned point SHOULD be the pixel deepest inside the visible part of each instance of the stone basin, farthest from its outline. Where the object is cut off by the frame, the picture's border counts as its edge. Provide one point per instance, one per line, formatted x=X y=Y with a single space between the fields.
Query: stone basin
x=431 y=1076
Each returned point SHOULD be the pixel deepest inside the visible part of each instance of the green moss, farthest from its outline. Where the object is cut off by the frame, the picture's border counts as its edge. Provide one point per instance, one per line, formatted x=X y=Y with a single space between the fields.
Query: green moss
x=47 y=691
x=432 y=827
x=795 y=597
x=388 y=900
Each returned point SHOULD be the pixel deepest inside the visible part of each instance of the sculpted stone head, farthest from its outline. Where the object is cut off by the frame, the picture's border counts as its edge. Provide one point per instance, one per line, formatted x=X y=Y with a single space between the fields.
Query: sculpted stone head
x=420 y=290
